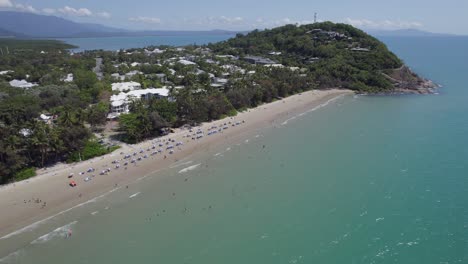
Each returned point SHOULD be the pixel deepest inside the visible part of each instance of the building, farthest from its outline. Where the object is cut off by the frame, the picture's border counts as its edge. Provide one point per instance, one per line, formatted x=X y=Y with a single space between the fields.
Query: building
x=117 y=76
x=275 y=53
x=360 y=49
x=155 y=51
x=5 y=72
x=259 y=60
x=186 y=62
x=22 y=84
x=120 y=102
x=69 y=78
x=161 y=77
x=126 y=86
x=219 y=83
x=132 y=73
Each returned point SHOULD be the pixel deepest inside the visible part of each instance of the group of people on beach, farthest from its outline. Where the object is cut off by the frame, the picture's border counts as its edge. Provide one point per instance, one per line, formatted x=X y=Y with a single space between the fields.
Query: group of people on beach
x=158 y=147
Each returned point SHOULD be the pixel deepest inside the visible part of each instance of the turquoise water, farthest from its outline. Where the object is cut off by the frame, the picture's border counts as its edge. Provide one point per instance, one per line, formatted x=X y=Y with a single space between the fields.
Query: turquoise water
x=116 y=43
x=367 y=179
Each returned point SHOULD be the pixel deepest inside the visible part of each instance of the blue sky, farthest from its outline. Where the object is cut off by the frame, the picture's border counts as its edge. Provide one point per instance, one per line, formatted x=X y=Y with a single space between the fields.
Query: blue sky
x=448 y=16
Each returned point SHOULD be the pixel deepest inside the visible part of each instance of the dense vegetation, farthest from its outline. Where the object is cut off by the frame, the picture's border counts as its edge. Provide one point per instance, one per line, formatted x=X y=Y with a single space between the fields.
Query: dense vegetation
x=336 y=64
x=25 y=140
x=19 y=45
x=321 y=55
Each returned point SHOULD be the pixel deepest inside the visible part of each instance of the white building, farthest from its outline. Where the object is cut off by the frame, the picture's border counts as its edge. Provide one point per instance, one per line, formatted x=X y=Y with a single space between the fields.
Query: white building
x=22 y=84
x=187 y=62
x=117 y=76
x=155 y=51
x=120 y=102
x=69 y=78
x=126 y=86
x=5 y=72
x=132 y=73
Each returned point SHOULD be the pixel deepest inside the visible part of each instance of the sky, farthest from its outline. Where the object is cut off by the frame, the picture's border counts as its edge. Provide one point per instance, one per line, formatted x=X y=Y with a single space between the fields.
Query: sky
x=447 y=16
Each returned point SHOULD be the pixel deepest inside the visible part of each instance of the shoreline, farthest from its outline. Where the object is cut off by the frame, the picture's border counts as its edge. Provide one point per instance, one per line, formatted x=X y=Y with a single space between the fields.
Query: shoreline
x=25 y=201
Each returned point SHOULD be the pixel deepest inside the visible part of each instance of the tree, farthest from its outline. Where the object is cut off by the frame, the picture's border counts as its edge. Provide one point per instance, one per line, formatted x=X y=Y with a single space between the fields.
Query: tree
x=131 y=126
x=97 y=114
x=166 y=109
x=85 y=79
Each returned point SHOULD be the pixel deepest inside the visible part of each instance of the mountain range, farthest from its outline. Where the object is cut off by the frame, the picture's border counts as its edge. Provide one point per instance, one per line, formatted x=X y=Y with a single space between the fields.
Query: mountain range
x=28 y=25
x=406 y=33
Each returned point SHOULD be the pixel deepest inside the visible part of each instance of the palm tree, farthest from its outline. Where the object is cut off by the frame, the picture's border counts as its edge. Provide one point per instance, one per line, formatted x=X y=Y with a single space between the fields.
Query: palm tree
x=66 y=117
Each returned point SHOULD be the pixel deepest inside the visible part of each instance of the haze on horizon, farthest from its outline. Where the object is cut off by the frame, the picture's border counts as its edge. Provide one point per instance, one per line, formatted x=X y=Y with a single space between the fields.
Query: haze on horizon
x=435 y=16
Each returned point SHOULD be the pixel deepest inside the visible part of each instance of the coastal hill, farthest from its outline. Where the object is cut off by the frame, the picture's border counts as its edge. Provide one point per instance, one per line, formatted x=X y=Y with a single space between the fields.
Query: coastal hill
x=336 y=55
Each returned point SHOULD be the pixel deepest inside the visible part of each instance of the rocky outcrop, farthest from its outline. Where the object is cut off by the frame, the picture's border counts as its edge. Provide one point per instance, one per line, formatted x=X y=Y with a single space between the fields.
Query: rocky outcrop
x=406 y=81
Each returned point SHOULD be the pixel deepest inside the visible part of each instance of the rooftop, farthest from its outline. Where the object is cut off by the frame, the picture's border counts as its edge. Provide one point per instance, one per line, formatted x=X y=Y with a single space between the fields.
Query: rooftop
x=22 y=84
x=125 y=86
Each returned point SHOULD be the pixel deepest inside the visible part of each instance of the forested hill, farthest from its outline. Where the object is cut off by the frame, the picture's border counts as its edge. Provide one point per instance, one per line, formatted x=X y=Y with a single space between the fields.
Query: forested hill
x=336 y=55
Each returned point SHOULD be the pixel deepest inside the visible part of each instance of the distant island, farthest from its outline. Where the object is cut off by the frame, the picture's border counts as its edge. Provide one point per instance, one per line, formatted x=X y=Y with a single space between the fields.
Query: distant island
x=407 y=33
x=60 y=106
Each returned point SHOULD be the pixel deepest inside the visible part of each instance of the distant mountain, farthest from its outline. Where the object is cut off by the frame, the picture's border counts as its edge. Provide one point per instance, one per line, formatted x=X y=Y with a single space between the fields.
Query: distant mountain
x=405 y=33
x=9 y=34
x=40 y=26
x=22 y=25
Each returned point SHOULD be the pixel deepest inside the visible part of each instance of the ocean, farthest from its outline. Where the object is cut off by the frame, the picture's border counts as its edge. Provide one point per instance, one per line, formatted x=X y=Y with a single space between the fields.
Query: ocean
x=366 y=179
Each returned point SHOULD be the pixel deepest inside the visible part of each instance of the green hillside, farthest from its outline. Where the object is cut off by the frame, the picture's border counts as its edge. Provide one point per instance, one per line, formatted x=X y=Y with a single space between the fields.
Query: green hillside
x=336 y=55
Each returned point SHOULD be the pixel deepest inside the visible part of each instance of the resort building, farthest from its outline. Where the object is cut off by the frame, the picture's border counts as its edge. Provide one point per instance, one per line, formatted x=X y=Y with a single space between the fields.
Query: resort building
x=259 y=60
x=69 y=78
x=120 y=103
x=187 y=62
x=22 y=84
x=126 y=86
x=117 y=76
x=360 y=49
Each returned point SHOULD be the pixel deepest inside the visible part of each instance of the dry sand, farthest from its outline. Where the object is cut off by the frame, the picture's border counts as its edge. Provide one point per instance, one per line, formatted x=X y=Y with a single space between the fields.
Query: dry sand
x=22 y=203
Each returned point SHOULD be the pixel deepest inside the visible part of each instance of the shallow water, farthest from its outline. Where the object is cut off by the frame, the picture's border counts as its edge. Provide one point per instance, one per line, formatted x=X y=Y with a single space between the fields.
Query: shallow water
x=366 y=179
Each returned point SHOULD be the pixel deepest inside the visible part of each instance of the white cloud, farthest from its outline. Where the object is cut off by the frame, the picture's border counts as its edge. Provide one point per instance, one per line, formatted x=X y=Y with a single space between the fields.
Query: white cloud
x=218 y=20
x=6 y=3
x=147 y=20
x=223 y=20
x=25 y=8
x=49 y=11
x=384 y=24
x=70 y=11
x=103 y=14
x=65 y=11
x=262 y=23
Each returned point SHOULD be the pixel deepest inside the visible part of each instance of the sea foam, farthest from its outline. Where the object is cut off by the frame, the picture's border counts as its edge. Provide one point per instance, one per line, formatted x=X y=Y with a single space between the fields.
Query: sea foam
x=60 y=232
x=12 y=256
x=189 y=168
x=311 y=110
x=134 y=195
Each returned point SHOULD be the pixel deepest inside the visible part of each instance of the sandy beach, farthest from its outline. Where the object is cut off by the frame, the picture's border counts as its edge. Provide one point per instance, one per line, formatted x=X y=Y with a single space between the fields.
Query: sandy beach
x=42 y=197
